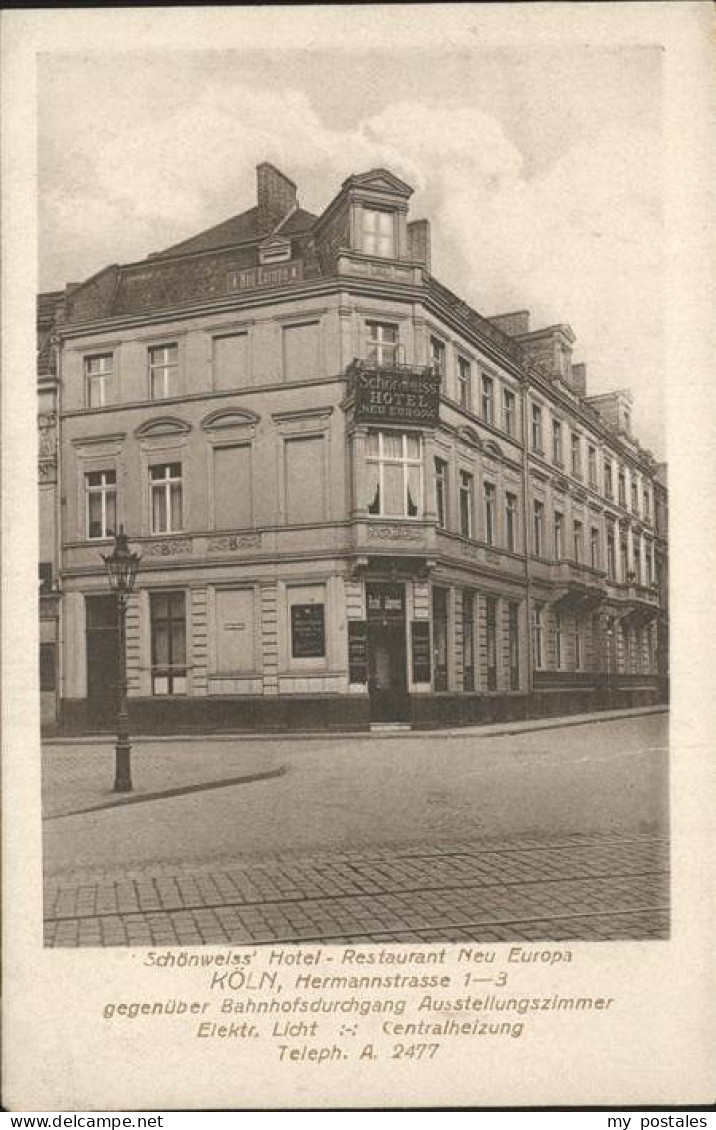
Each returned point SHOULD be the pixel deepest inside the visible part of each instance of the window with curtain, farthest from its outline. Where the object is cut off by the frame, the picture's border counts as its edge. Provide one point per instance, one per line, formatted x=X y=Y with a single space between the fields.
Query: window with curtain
x=394 y=473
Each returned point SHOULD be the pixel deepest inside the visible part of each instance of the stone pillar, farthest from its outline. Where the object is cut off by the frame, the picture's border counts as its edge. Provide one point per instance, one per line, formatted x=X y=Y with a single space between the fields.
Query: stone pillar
x=269 y=638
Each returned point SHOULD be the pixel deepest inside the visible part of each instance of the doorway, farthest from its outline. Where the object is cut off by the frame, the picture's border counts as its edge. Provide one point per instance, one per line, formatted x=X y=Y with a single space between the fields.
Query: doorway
x=387 y=674
x=102 y=636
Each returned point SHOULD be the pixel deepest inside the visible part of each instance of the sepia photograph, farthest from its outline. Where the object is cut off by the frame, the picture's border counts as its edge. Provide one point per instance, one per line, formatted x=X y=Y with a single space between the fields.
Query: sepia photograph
x=353 y=496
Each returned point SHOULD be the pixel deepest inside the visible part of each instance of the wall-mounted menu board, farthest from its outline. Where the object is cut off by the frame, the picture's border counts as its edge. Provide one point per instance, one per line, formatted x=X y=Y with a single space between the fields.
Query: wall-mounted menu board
x=357 y=651
x=308 y=633
x=420 y=639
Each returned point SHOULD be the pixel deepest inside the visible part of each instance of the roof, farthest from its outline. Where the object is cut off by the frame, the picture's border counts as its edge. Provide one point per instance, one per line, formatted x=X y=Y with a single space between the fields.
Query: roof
x=238 y=229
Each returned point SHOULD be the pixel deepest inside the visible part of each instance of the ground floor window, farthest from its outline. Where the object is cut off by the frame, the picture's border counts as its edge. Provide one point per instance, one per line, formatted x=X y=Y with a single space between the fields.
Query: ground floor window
x=578 y=645
x=558 y=643
x=168 y=618
x=491 y=629
x=514 y=645
x=538 y=636
x=440 y=638
x=468 y=640
x=47 y=667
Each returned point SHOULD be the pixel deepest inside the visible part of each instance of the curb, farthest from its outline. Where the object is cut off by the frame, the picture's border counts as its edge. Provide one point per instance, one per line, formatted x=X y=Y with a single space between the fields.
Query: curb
x=491 y=730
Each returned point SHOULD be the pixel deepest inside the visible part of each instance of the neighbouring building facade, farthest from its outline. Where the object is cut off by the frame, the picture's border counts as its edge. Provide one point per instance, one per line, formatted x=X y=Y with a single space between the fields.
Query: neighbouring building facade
x=356 y=499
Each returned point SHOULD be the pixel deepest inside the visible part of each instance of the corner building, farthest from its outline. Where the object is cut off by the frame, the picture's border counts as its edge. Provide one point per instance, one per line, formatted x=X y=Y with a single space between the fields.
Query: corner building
x=356 y=499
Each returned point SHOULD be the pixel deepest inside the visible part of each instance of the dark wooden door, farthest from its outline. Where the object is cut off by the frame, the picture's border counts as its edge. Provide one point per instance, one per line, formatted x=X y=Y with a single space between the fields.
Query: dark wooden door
x=387 y=678
x=102 y=661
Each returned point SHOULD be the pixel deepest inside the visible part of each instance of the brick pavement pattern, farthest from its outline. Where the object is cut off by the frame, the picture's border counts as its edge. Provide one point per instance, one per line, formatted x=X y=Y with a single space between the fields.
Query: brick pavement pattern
x=596 y=888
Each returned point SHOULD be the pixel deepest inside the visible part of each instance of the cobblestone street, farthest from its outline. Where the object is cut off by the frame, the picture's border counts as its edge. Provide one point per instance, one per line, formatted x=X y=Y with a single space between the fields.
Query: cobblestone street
x=592 y=888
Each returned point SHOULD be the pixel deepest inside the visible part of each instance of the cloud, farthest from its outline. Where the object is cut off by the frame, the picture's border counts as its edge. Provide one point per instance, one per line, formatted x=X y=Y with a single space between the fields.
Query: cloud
x=579 y=242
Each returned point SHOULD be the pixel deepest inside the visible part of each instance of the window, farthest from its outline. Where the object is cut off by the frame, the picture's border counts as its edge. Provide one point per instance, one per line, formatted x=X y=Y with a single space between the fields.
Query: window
x=508 y=411
x=394 y=464
x=624 y=559
x=594 y=547
x=466 y=503
x=163 y=371
x=45 y=577
x=558 y=643
x=491 y=640
x=592 y=465
x=301 y=351
x=47 y=667
x=437 y=356
x=168 y=617
x=650 y=563
x=468 y=640
x=231 y=360
x=538 y=528
x=232 y=487
x=379 y=233
x=513 y=612
x=538 y=636
x=101 y=494
x=611 y=553
x=622 y=487
x=308 y=631
x=557 y=442
x=440 y=638
x=536 y=428
x=578 y=644
x=166 y=497
x=490 y=516
x=511 y=520
x=558 y=535
x=637 y=560
x=647 y=505
x=634 y=497
x=99 y=379
x=576 y=454
x=608 y=480
x=464 y=383
x=577 y=542
x=382 y=344
x=488 y=399
x=304 y=480
x=627 y=421
x=441 y=492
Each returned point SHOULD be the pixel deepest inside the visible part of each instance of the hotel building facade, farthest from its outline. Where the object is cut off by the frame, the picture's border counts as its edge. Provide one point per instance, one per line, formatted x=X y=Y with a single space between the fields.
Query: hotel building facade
x=357 y=501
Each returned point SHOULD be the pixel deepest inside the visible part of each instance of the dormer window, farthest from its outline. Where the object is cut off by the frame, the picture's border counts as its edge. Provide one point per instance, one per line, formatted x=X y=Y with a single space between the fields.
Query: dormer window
x=379 y=233
x=274 y=251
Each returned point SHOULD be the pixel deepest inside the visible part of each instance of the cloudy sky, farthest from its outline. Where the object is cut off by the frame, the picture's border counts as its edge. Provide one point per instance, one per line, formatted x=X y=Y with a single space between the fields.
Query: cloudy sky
x=539 y=169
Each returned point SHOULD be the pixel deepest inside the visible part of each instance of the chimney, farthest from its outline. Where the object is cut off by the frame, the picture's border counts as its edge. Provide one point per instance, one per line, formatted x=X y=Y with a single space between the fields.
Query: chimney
x=276 y=196
x=579 y=379
x=419 y=242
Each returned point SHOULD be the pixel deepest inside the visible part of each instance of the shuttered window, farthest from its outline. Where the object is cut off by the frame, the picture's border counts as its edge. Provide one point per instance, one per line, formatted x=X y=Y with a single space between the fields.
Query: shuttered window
x=232 y=487
x=301 y=352
x=305 y=480
x=231 y=360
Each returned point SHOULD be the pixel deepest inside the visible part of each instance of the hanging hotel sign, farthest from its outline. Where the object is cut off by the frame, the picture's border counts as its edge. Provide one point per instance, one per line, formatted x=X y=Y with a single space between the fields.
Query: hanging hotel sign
x=399 y=395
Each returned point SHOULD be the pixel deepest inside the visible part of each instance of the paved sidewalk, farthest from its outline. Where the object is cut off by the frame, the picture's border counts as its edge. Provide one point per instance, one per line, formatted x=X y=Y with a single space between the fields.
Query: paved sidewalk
x=582 y=888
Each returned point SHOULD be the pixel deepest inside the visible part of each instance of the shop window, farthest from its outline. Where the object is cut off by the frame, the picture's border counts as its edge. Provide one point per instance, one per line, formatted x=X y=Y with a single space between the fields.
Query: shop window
x=514 y=645
x=440 y=638
x=47 y=667
x=491 y=640
x=394 y=471
x=468 y=640
x=168 y=621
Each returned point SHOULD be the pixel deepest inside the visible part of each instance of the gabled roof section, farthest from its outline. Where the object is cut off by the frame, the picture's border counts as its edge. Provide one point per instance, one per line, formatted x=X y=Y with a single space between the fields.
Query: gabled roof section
x=379 y=180
x=239 y=229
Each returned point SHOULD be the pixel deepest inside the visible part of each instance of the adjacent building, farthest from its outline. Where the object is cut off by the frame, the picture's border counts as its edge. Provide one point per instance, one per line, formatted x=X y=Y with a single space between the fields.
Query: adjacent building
x=357 y=500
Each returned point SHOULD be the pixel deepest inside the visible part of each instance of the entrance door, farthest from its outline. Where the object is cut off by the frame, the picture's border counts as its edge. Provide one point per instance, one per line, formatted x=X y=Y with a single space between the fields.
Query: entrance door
x=387 y=675
x=102 y=662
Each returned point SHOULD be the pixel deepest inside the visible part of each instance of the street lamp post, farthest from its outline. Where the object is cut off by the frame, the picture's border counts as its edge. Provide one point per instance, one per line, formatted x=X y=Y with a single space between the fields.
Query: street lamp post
x=122 y=566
